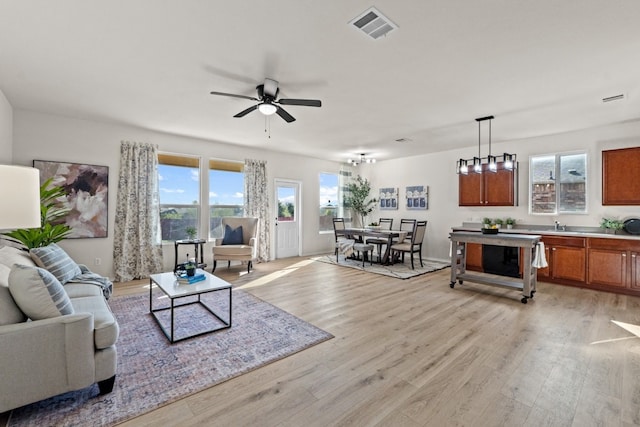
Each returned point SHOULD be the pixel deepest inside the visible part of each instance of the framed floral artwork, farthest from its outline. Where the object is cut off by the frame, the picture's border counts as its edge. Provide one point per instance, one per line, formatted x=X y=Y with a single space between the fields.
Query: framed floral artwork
x=87 y=189
x=418 y=197
x=388 y=198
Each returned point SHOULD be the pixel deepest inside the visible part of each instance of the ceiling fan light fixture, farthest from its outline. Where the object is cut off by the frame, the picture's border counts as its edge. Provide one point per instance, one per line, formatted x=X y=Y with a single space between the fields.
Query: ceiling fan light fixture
x=267 y=109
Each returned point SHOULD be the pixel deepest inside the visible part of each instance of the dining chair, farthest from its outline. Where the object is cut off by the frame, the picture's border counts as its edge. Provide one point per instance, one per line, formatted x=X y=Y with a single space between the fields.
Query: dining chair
x=385 y=224
x=414 y=244
x=338 y=231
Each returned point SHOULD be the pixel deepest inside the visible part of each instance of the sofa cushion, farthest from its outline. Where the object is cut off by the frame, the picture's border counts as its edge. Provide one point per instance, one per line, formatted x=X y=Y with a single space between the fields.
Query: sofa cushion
x=232 y=236
x=38 y=293
x=105 y=327
x=233 y=250
x=10 y=313
x=56 y=260
x=9 y=256
x=77 y=290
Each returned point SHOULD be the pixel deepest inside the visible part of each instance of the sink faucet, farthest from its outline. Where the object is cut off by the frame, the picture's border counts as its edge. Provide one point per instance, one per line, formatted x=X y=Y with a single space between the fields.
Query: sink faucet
x=557 y=226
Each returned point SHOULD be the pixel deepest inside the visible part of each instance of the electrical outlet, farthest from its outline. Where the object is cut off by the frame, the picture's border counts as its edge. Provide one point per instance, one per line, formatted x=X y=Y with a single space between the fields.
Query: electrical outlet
x=97 y=261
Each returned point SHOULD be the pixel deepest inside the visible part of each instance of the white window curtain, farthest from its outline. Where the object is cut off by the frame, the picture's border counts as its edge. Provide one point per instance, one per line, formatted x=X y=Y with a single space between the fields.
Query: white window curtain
x=137 y=249
x=256 y=202
x=345 y=179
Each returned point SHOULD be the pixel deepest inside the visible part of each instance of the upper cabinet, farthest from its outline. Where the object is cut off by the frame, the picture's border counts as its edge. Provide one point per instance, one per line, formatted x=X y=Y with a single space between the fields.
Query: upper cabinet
x=488 y=188
x=621 y=176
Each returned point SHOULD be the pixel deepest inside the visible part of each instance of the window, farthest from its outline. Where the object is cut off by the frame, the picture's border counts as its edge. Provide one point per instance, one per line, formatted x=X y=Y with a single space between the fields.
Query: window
x=226 y=193
x=558 y=184
x=179 y=185
x=328 y=200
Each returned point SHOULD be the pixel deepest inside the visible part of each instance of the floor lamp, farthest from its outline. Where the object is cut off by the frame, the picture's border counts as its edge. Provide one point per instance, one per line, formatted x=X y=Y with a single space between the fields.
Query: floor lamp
x=20 y=195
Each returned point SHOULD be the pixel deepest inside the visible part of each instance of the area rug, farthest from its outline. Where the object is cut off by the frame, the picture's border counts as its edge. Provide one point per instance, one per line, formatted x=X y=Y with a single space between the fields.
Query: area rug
x=398 y=270
x=152 y=373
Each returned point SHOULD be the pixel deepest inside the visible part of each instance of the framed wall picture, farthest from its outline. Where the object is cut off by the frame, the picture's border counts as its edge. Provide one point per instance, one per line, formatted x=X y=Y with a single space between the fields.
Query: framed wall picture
x=87 y=188
x=418 y=197
x=388 y=198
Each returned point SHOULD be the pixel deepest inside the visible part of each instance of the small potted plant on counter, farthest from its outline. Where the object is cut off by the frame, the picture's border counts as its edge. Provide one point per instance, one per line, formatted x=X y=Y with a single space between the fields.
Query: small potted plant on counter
x=487 y=223
x=611 y=225
x=498 y=222
x=510 y=222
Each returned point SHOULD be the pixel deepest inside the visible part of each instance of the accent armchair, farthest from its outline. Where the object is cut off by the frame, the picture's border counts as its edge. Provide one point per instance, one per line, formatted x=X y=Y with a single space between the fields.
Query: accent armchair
x=239 y=242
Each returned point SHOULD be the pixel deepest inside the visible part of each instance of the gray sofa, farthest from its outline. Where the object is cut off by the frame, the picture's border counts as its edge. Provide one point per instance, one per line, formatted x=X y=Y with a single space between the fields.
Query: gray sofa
x=54 y=337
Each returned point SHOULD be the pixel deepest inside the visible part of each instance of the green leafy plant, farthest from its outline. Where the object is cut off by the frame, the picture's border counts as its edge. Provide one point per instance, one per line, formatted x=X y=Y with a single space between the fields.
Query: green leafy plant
x=191 y=232
x=51 y=214
x=611 y=224
x=487 y=222
x=510 y=221
x=356 y=198
x=498 y=221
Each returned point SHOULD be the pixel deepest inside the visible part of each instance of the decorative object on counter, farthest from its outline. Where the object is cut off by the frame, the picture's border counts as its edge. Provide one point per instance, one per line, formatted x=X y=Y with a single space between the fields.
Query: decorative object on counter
x=510 y=222
x=86 y=195
x=498 y=222
x=487 y=222
x=508 y=160
x=490 y=230
x=417 y=197
x=356 y=198
x=632 y=226
x=611 y=225
x=389 y=198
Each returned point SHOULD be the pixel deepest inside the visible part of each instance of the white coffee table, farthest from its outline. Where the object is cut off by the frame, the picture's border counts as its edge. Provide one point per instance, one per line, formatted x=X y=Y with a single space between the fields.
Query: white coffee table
x=174 y=290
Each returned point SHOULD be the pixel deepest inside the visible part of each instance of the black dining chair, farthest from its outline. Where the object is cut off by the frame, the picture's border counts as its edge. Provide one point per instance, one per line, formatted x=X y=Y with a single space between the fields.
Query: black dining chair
x=385 y=224
x=413 y=245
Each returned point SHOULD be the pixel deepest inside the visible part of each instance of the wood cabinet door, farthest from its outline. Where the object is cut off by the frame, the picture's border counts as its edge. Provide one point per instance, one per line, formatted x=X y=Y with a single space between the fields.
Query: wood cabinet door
x=621 y=176
x=568 y=263
x=499 y=188
x=545 y=273
x=635 y=270
x=474 y=256
x=607 y=267
x=470 y=189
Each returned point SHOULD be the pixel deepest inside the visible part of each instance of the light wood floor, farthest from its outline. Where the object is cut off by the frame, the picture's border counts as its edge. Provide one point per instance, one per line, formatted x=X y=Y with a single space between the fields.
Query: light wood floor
x=417 y=353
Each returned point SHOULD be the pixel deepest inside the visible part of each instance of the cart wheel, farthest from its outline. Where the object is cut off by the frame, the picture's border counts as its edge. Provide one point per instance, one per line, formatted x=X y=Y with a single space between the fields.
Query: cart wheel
x=452 y=284
x=523 y=300
x=461 y=281
x=532 y=292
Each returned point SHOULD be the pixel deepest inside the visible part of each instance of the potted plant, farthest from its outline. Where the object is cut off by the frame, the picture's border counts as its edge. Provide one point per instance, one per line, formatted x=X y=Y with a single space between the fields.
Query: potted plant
x=510 y=222
x=498 y=222
x=356 y=198
x=191 y=232
x=487 y=222
x=53 y=228
x=611 y=225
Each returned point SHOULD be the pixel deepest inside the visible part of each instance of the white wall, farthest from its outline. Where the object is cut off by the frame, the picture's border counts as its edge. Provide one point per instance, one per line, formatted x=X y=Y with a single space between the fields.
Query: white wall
x=48 y=137
x=438 y=172
x=6 y=130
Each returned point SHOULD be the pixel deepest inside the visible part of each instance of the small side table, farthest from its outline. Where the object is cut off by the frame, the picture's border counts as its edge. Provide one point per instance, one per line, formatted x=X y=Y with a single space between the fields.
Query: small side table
x=198 y=245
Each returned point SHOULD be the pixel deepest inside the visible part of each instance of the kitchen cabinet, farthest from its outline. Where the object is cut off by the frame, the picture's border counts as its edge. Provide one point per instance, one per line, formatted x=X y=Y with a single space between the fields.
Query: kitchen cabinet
x=566 y=257
x=474 y=256
x=488 y=188
x=614 y=263
x=621 y=176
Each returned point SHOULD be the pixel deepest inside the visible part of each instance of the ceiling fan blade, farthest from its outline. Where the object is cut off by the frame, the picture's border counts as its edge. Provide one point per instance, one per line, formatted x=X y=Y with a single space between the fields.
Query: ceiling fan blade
x=247 y=111
x=270 y=88
x=304 y=102
x=286 y=116
x=234 y=95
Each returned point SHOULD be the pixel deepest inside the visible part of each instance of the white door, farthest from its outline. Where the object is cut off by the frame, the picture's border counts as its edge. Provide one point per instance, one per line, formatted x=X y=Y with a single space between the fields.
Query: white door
x=288 y=219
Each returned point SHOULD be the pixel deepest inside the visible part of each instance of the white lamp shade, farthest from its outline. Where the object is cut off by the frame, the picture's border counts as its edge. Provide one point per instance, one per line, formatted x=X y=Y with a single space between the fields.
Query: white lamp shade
x=267 y=109
x=20 y=195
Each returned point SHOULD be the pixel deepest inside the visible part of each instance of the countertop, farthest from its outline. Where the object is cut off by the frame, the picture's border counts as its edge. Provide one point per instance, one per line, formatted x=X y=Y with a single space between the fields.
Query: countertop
x=549 y=231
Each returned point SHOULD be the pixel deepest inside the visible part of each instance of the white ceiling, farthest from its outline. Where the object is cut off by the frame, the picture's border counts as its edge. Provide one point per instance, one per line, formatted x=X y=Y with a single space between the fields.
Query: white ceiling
x=540 y=67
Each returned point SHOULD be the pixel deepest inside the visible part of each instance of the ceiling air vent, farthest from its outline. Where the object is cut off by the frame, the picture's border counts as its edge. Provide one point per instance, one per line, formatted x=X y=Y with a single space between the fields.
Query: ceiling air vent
x=373 y=23
x=613 y=98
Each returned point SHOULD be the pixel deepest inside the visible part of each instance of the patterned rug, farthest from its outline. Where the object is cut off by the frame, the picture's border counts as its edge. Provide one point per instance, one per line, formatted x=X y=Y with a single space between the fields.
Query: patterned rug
x=152 y=373
x=398 y=270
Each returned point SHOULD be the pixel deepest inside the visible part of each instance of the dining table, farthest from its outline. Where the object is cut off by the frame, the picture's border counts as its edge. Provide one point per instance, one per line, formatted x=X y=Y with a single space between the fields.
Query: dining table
x=390 y=235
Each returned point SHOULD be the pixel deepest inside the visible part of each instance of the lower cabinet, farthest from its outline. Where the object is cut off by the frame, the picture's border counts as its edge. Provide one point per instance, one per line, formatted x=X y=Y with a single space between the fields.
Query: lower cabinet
x=614 y=263
x=567 y=259
x=474 y=256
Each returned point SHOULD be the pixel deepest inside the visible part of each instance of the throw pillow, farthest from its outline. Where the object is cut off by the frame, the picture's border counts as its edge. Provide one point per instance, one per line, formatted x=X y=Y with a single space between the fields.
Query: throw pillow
x=38 y=293
x=232 y=236
x=56 y=260
x=10 y=313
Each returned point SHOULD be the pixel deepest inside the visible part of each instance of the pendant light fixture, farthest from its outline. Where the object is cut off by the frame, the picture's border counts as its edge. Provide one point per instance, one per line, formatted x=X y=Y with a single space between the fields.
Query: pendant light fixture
x=508 y=160
x=363 y=159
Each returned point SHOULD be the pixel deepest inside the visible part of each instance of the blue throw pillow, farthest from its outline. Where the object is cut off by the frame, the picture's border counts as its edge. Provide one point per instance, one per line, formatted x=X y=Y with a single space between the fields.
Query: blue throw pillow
x=232 y=236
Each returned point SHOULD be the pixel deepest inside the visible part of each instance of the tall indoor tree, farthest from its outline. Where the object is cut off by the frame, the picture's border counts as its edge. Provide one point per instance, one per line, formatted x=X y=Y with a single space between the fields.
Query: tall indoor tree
x=356 y=198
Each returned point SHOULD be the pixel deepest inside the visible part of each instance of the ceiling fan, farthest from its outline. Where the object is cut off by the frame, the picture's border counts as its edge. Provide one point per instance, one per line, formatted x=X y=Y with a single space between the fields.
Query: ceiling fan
x=268 y=103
